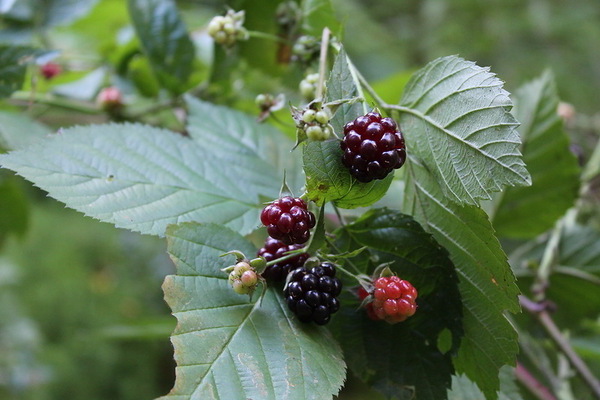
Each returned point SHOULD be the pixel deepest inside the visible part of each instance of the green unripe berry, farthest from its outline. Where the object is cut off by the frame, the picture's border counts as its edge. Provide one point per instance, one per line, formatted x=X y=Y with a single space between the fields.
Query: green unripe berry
x=314 y=132
x=323 y=116
x=308 y=116
x=249 y=279
x=239 y=288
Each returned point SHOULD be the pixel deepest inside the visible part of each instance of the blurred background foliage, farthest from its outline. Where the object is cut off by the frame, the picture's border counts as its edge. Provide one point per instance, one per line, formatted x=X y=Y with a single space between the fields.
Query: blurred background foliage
x=82 y=315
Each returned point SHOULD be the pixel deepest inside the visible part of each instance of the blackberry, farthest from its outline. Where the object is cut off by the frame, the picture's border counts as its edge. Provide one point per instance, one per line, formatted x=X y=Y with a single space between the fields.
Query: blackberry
x=311 y=294
x=373 y=146
x=274 y=249
x=288 y=219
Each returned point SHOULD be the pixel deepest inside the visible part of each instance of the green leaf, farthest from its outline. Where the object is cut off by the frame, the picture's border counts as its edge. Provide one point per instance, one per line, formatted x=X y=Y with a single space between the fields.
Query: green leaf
x=465 y=389
x=318 y=14
x=227 y=347
x=527 y=212
x=17 y=130
x=409 y=364
x=216 y=127
x=456 y=120
x=85 y=88
x=13 y=63
x=143 y=178
x=487 y=284
x=328 y=180
x=14 y=217
x=63 y=12
x=343 y=84
x=165 y=41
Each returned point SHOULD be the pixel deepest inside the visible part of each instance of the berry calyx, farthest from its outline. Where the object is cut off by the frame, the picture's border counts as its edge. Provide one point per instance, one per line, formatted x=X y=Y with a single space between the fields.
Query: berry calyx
x=312 y=293
x=50 y=70
x=274 y=249
x=288 y=219
x=393 y=300
x=373 y=146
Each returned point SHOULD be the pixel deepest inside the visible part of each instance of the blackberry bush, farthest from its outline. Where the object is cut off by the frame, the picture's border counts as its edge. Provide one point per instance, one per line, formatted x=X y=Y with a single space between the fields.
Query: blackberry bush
x=373 y=147
x=311 y=294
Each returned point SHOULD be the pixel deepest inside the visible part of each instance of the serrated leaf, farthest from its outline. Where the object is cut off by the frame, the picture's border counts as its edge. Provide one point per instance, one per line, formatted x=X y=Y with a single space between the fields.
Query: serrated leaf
x=227 y=347
x=465 y=389
x=13 y=62
x=487 y=285
x=457 y=122
x=17 y=130
x=217 y=127
x=527 y=212
x=144 y=178
x=410 y=365
x=327 y=179
x=165 y=41
x=343 y=84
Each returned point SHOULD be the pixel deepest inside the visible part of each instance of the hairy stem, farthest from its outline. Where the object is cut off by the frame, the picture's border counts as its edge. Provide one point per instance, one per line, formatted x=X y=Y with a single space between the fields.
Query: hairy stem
x=323 y=62
x=532 y=384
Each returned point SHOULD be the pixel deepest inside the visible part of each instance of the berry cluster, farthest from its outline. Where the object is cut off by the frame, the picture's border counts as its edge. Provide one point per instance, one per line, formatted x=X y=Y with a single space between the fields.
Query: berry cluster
x=274 y=249
x=243 y=278
x=315 y=123
x=306 y=49
x=308 y=86
x=288 y=220
x=394 y=300
x=373 y=146
x=227 y=30
x=311 y=294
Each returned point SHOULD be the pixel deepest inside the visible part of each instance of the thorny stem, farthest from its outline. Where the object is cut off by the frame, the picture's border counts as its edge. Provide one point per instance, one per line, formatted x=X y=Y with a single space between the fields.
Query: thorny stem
x=539 y=311
x=323 y=62
x=532 y=384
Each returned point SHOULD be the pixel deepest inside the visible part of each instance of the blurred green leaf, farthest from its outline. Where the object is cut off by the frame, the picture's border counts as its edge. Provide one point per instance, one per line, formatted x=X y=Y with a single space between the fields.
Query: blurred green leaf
x=409 y=365
x=228 y=347
x=18 y=130
x=318 y=14
x=457 y=122
x=13 y=63
x=527 y=212
x=85 y=88
x=327 y=179
x=391 y=88
x=487 y=285
x=62 y=12
x=165 y=41
x=14 y=217
x=465 y=389
x=143 y=178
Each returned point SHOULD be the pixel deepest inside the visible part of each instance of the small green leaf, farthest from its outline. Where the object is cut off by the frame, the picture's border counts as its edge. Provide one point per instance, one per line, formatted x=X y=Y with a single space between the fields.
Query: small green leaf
x=229 y=348
x=144 y=178
x=457 y=122
x=17 y=130
x=527 y=212
x=13 y=63
x=487 y=284
x=402 y=360
x=165 y=41
x=327 y=179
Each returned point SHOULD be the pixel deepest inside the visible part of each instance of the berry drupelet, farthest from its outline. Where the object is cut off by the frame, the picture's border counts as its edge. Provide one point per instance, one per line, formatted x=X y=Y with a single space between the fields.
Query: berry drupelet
x=373 y=146
x=311 y=294
x=274 y=249
x=288 y=220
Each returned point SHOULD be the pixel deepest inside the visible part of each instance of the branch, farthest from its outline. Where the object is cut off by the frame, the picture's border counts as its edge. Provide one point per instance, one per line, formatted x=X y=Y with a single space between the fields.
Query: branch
x=532 y=384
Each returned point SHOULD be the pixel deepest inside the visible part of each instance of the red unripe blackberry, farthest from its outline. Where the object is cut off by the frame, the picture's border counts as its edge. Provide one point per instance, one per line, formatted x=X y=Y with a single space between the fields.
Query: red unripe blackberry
x=312 y=294
x=274 y=249
x=50 y=70
x=373 y=146
x=288 y=219
x=394 y=300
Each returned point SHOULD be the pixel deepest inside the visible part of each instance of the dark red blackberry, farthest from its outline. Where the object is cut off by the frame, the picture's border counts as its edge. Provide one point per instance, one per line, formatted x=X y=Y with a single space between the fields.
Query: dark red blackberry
x=373 y=146
x=274 y=249
x=311 y=294
x=288 y=219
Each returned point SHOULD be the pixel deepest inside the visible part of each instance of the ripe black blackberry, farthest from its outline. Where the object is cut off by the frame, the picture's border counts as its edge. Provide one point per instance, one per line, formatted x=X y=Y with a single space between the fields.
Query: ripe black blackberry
x=274 y=249
x=311 y=294
x=373 y=146
x=288 y=219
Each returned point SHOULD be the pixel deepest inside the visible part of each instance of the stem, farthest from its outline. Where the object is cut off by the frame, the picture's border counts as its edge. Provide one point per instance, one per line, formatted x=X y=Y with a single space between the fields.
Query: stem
x=340 y=268
x=323 y=62
x=548 y=324
x=30 y=97
x=268 y=36
x=532 y=384
x=329 y=242
x=284 y=258
x=548 y=262
x=363 y=82
x=339 y=215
